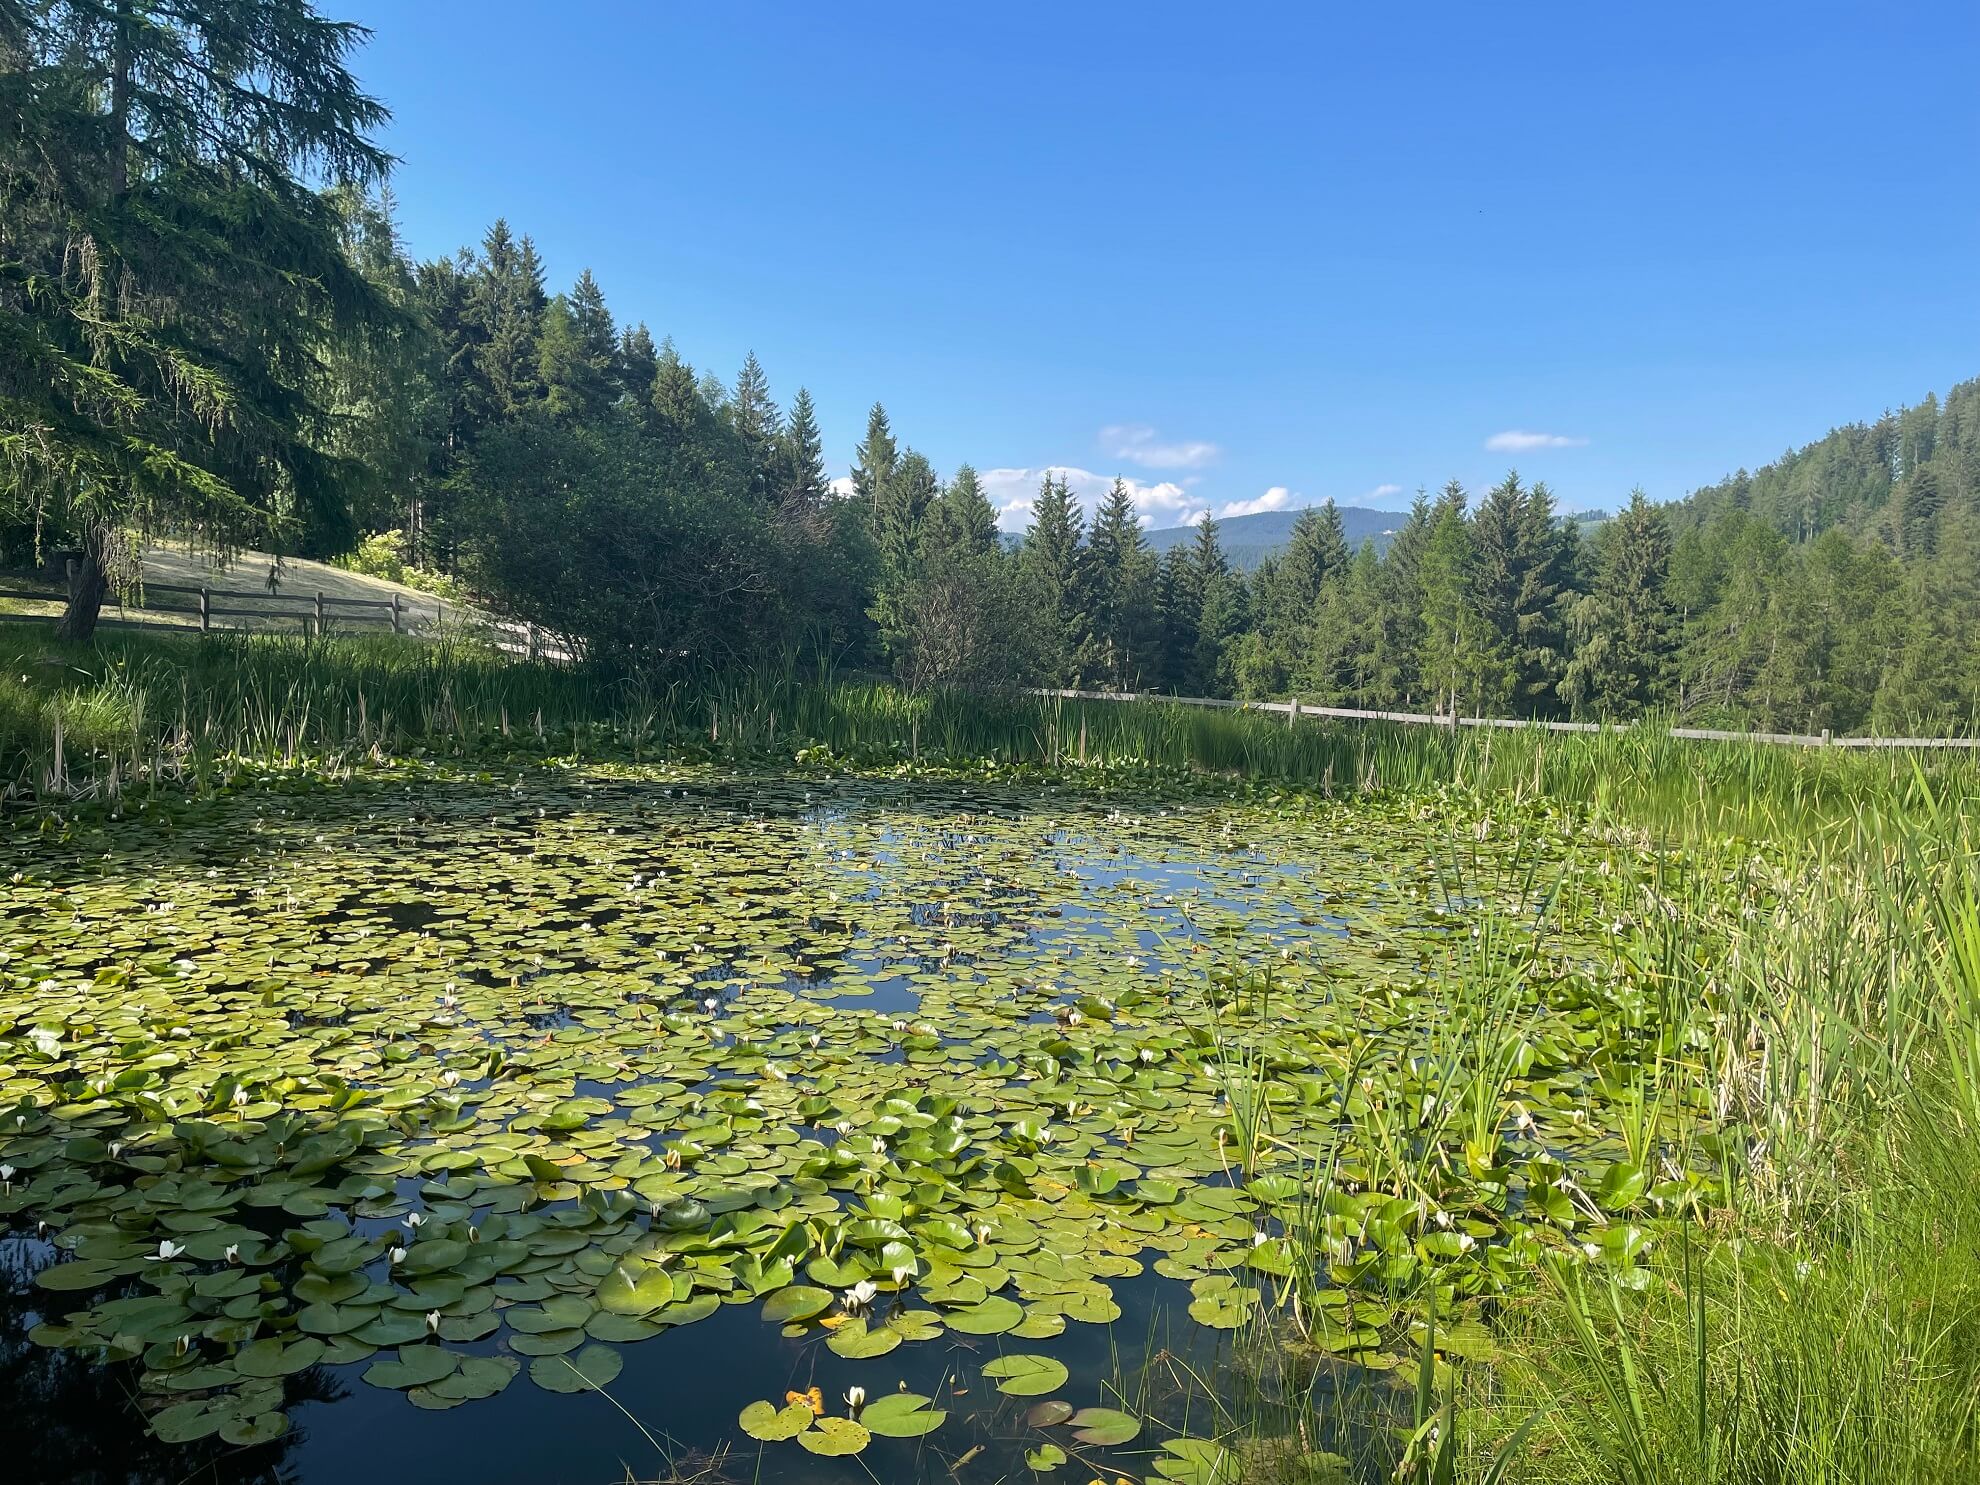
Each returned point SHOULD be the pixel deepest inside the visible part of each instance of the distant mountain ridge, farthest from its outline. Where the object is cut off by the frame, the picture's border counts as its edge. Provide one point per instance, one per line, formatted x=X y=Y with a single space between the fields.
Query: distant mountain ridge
x=1248 y=540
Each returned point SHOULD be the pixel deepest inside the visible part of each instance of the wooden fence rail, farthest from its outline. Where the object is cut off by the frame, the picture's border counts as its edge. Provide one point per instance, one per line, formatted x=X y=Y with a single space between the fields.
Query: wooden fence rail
x=1294 y=709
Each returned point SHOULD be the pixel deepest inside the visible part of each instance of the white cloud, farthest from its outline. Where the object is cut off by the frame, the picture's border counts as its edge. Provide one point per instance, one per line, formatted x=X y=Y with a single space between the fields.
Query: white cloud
x=1137 y=443
x=1383 y=492
x=1519 y=441
x=841 y=487
x=1276 y=498
x=1011 y=491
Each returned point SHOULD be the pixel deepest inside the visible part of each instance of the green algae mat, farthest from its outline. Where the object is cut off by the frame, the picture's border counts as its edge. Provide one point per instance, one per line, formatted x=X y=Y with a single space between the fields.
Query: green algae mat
x=474 y=1086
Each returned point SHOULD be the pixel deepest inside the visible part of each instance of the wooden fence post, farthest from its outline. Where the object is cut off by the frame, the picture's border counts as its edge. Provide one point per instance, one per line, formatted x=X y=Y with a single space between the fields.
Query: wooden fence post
x=319 y=613
x=205 y=610
x=69 y=574
x=398 y=626
x=535 y=649
x=1292 y=712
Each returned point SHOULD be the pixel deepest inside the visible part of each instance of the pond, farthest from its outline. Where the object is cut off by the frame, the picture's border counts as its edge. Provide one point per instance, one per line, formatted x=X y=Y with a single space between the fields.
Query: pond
x=536 y=1129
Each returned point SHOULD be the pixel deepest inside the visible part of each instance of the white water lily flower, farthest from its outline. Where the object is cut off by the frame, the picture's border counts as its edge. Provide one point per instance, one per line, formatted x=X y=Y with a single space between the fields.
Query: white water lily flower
x=168 y=1250
x=415 y=1219
x=855 y=1399
x=859 y=1296
x=900 y=1026
x=816 y=1039
x=711 y=1002
x=1073 y=1018
x=450 y=1077
x=433 y=1322
x=395 y=1256
x=1146 y=1054
x=233 y=1253
x=116 y=1148
x=1260 y=1239
x=903 y=1272
x=1591 y=1251
x=44 y=1041
x=7 y=1176
x=879 y=1146
x=240 y=1099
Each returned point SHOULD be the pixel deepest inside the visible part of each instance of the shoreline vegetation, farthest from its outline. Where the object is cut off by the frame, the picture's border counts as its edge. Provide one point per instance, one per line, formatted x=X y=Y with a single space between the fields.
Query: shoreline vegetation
x=1795 y=1011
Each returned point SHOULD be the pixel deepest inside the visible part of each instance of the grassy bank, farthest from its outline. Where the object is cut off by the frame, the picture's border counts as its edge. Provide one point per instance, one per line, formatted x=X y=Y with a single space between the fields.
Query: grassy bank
x=153 y=711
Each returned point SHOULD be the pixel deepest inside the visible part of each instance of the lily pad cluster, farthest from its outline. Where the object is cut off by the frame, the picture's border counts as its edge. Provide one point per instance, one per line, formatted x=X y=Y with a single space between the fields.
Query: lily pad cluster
x=504 y=1078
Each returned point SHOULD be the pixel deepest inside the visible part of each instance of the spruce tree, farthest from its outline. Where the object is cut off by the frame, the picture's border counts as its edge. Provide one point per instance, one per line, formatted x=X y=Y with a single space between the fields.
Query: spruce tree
x=1461 y=665
x=758 y=424
x=963 y=520
x=874 y=459
x=1052 y=564
x=1627 y=624
x=577 y=351
x=1123 y=581
x=634 y=366
x=1221 y=615
x=801 y=456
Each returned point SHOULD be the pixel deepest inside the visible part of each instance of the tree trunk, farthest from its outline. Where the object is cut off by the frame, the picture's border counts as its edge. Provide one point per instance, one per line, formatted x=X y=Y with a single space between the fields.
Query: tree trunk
x=86 y=593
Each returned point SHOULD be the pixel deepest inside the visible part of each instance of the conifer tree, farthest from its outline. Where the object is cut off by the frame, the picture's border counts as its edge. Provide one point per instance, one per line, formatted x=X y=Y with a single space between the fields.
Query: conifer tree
x=634 y=366
x=1123 y=580
x=963 y=520
x=577 y=350
x=1221 y=615
x=874 y=459
x=1053 y=566
x=801 y=456
x=1628 y=625
x=169 y=276
x=758 y=424
x=1461 y=665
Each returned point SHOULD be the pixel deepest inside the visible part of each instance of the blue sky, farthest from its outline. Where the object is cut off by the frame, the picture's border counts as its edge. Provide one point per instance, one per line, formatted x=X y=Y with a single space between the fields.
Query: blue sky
x=1245 y=256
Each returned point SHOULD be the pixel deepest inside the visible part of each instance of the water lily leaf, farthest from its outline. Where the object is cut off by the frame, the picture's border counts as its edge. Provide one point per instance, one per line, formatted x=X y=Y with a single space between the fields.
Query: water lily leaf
x=415 y=1366
x=268 y=1357
x=762 y=1420
x=261 y=1428
x=1045 y=1458
x=992 y=1316
x=901 y=1415
x=588 y=1370
x=1198 y=1462
x=1048 y=1414
x=834 y=1437
x=1104 y=1426
x=856 y=1342
x=1026 y=1375
x=797 y=1302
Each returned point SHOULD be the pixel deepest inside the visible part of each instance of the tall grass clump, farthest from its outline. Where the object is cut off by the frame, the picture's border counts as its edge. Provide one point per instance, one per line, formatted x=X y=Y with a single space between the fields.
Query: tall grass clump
x=1825 y=1325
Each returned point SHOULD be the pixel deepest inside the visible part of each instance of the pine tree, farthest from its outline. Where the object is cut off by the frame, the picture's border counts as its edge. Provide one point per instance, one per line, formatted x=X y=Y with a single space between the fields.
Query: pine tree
x=1123 y=580
x=1399 y=647
x=634 y=366
x=758 y=425
x=170 y=277
x=1178 y=612
x=1521 y=573
x=1221 y=615
x=1461 y=664
x=1053 y=566
x=1628 y=623
x=577 y=351
x=963 y=520
x=507 y=305
x=801 y=457
x=874 y=459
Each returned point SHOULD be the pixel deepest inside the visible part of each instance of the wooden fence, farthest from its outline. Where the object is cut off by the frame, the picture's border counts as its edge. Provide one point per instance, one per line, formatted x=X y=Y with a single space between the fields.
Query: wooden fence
x=1294 y=709
x=208 y=609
